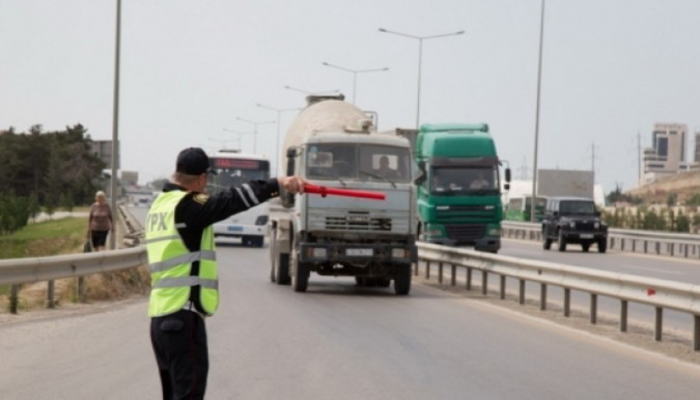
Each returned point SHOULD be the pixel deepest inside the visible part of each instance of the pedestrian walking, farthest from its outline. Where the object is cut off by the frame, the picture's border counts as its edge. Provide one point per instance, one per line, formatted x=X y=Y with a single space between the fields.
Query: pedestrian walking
x=100 y=222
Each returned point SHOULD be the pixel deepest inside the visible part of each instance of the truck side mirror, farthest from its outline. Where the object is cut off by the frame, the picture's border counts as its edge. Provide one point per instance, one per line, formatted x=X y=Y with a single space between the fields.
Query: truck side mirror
x=507 y=176
x=291 y=156
x=506 y=186
x=287 y=199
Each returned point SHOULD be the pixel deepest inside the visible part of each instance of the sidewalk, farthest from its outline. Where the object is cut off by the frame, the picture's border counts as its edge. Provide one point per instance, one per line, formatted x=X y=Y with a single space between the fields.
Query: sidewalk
x=58 y=215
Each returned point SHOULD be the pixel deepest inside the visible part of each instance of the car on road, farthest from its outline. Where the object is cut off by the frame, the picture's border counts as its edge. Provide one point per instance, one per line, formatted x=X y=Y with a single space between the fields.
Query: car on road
x=573 y=220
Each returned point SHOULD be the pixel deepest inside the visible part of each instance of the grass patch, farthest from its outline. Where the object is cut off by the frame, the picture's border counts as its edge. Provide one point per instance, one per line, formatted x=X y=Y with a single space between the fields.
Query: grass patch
x=48 y=238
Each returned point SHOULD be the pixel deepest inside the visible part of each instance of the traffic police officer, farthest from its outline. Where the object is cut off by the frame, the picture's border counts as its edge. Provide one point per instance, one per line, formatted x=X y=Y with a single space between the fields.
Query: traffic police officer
x=182 y=261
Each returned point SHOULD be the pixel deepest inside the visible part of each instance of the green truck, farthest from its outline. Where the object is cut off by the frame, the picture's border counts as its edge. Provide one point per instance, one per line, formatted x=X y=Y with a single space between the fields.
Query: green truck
x=458 y=187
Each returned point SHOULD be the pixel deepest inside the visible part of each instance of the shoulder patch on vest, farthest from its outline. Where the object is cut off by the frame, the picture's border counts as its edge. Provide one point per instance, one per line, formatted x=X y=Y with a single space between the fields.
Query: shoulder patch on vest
x=201 y=198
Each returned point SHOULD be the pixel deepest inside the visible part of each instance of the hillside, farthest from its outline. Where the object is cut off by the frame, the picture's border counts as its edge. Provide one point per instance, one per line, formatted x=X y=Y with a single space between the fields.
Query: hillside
x=685 y=185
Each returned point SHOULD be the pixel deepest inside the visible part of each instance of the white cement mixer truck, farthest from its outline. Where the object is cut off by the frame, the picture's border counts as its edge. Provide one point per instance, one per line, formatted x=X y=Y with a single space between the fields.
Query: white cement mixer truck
x=334 y=144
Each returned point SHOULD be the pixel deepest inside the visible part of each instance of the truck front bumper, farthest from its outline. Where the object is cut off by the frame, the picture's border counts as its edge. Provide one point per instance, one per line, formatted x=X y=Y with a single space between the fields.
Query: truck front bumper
x=357 y=253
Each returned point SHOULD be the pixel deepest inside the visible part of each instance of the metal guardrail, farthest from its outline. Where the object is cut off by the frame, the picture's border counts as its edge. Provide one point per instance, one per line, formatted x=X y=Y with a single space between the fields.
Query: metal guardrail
x=134 y=233
x=637 y=241
x=36 y=269
x=661 y=294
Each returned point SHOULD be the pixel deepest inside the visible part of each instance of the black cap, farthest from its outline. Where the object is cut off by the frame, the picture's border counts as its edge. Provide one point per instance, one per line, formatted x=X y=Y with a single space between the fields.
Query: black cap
x=192 y=161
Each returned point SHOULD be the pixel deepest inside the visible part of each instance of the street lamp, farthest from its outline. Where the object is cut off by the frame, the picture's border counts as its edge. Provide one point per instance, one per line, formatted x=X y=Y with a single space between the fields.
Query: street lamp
x=255 y=130
x=115 y=123
x=239 y=133
x=225 y=141
x=537 y=120
x=354 y=75
x=279 y=112
x=311 y=91
x=420 y=40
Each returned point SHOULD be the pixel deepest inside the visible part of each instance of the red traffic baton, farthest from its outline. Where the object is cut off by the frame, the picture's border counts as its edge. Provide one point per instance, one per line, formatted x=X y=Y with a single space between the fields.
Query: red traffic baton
x=324 y=191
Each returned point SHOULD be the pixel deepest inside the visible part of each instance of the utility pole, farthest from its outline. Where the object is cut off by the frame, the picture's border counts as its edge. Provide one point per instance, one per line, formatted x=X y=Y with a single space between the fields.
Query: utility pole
x=639 y=158
x=523 y=169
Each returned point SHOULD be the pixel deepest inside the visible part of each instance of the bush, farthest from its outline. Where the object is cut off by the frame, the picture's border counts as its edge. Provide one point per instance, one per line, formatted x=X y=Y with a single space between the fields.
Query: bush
x=14 y=213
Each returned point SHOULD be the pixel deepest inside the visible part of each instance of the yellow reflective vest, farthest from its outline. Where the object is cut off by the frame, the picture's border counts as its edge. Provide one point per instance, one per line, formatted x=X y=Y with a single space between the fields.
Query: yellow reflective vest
x=170 y=261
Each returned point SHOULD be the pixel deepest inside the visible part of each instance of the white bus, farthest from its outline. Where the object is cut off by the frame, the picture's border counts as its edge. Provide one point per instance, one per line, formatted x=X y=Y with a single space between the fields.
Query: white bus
x=235 y=169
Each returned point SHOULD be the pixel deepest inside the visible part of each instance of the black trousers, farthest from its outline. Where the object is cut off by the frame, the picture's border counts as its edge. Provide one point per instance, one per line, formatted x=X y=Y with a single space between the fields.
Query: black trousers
x=180 y=345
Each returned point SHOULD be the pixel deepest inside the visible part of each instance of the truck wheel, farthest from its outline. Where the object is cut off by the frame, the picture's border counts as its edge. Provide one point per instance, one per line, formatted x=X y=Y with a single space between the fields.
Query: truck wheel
x=282 y=269
x=546 y=242
x=273 y=257
x=402 y=281
x=585 y=246
x=562 y=241
x=300 y=273
x=602 y=245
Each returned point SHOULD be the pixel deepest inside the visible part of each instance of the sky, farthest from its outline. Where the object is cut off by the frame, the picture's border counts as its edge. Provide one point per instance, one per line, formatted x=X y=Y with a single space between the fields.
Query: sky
x=190 y=69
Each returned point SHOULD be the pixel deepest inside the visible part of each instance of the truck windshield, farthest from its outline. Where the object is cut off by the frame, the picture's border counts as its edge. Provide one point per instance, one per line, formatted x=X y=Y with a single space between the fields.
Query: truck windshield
x=330 y=161
x=449 y=180
x=577 y=207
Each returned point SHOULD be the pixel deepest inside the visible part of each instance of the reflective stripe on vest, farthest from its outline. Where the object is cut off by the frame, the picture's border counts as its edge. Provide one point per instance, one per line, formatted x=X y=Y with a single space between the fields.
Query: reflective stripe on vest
x=170 y=261
x=183 y=259
x=186 y=281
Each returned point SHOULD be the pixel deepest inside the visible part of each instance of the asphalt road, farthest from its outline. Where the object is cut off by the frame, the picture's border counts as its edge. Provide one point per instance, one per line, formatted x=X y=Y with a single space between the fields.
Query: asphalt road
x=672 y=269
x=336 y=341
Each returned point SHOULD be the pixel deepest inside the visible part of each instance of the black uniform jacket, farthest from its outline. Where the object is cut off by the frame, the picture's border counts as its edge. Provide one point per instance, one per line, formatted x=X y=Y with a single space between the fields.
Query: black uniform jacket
x=199 y=210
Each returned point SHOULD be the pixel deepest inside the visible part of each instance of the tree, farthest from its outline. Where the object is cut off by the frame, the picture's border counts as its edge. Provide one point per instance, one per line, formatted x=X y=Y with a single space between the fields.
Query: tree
x=672 y=199
x=694 y=200
x=682 y=223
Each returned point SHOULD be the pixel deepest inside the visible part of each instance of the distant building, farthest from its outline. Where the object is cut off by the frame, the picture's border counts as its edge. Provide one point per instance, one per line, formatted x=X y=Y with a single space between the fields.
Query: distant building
x=129 y=178
x=103 y=150
x=667 y=156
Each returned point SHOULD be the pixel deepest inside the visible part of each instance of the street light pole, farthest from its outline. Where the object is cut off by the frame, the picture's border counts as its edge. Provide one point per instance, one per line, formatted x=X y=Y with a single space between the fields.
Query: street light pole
x=537 y=120
x=115 y=124
x=354 y=75
x=420 y=40
x=279 y=112
x=311 y=91
x=255 y=130
x=239 y=133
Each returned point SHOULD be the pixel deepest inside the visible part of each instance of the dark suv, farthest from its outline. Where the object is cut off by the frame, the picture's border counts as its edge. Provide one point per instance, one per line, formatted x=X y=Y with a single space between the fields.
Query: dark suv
x=573 y=220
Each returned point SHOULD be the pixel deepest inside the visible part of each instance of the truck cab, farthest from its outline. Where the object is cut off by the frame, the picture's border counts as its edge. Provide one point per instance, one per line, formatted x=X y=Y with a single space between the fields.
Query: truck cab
x=459 y=188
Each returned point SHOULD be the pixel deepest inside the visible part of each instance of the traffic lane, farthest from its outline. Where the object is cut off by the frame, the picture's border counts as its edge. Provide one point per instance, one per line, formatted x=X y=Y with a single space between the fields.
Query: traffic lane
x=94 y=355
x=674 y=269
x=335 y=341
x=342 y=341
x=139 y=213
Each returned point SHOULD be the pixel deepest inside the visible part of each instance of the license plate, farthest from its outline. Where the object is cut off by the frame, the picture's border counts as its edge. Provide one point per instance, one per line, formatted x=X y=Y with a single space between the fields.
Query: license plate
x=359 y=252
x=234 y=228
x=586 y=236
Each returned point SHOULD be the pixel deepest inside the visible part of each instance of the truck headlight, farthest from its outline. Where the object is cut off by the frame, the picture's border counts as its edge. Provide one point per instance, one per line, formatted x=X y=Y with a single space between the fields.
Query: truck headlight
x=494 y=232
x=596 y=225
x=400 y=253
x=317 y=252
x=433 y=232
x=572 y=224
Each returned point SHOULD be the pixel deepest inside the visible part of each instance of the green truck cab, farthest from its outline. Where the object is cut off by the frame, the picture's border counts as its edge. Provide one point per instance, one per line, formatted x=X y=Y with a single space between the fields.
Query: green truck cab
x=458 y=188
